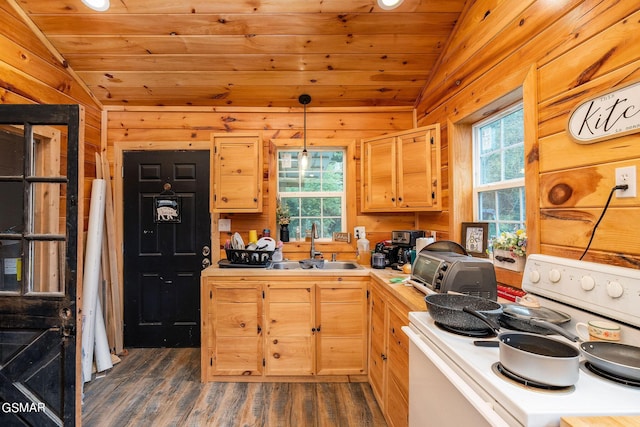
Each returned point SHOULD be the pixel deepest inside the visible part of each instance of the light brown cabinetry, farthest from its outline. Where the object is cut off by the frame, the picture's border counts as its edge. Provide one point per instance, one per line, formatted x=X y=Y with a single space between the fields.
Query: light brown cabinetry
x=316 y=328
x=236 y=171
x=232 y=336
x=401 y=171
x=389 y=355
x=271 y=330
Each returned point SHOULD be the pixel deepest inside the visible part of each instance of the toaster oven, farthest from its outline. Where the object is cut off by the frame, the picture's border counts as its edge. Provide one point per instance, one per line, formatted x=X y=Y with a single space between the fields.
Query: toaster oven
x=442 y=272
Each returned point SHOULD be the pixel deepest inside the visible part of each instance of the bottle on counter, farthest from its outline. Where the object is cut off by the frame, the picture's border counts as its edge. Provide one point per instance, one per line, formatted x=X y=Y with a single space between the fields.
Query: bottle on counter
x=364 y=252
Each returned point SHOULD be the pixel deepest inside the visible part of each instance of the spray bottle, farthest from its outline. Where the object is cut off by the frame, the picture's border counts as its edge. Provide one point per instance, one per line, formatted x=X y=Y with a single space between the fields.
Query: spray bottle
x=364 y=252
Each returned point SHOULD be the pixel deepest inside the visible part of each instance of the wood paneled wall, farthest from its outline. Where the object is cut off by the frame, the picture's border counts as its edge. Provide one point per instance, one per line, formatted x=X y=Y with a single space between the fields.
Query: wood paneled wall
x=31 y=74
x=132 y=126
x=556 y=55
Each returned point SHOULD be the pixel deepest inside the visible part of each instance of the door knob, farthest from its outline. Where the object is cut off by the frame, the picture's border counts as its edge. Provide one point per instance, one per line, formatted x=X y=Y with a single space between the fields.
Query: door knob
x=206 y=250
x=206 y=263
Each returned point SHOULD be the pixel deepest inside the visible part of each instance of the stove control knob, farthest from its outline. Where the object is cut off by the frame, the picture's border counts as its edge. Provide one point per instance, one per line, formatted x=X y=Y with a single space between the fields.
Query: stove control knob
x=554 y=276
x=534 y=276
x=614 y=289
x=587 y=283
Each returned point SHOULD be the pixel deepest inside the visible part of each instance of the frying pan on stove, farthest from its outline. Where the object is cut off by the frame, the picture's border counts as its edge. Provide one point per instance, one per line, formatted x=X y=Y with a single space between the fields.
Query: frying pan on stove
x=463 y=312
x=537 y=320
x=613 y=358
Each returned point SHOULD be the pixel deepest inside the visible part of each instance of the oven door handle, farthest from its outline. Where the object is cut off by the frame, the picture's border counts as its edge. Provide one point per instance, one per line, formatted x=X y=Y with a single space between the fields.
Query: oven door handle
x=484 y=408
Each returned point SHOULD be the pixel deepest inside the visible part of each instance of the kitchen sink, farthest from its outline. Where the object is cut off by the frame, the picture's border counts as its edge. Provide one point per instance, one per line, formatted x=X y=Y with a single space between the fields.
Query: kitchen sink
x=317 y=264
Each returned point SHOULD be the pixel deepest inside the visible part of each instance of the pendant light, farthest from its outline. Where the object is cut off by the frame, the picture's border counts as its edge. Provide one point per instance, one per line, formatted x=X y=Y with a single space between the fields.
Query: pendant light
x=304 y=99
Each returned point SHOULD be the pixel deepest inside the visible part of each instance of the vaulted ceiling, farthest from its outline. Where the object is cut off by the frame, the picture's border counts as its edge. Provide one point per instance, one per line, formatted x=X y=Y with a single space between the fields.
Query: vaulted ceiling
x=344 y=53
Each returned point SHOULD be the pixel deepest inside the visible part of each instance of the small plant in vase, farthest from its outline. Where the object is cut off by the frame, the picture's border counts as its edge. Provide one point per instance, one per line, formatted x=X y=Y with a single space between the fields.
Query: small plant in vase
x=284 y=218
x=510 y=250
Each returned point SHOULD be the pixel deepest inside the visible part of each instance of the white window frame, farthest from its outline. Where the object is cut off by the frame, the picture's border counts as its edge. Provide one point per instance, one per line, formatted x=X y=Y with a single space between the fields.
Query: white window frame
x=501 y=185
x=322 y=194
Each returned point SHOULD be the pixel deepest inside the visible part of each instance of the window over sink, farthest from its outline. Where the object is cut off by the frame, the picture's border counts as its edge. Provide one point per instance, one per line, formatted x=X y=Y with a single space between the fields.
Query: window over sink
x=315 y=194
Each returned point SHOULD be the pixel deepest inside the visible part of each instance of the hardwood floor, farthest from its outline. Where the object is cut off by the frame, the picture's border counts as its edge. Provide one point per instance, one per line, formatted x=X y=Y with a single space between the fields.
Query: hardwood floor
x=161 y=387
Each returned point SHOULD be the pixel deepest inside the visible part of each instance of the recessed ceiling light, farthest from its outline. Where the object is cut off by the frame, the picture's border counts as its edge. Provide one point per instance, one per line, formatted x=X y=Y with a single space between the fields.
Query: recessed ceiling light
x=389 y=4
x=98 y=5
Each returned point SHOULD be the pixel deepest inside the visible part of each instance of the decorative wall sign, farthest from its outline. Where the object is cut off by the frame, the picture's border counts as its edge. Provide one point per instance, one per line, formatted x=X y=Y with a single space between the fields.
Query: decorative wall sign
x=167 y=209
x=474 y=238
x=606 y=116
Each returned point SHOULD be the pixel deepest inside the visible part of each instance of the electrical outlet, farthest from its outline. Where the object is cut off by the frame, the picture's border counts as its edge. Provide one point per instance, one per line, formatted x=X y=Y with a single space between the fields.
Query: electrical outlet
x=626 y=175
x=359 y=232
x=224 y=224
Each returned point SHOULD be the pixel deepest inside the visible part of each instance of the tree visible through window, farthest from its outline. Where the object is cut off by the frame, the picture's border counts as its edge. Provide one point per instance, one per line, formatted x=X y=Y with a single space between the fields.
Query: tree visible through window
x=316 y=194
x=498 y=144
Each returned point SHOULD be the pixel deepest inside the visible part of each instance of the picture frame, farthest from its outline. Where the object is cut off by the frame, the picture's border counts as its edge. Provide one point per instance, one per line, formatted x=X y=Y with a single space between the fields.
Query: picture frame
x=474 y=238
x=167 y=209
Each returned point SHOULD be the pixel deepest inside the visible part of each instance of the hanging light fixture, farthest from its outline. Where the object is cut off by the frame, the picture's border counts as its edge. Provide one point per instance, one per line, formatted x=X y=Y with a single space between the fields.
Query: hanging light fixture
x=304 y=99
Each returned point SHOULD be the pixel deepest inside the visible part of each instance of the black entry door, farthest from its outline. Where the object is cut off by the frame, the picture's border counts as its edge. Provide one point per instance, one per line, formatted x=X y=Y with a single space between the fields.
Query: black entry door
x=167 y=240
x=38 y=269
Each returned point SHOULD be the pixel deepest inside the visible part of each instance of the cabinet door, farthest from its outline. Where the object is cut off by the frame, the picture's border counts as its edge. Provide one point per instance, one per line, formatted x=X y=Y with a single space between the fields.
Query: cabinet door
x=236 y=329
x=289 y=330
x=415 y=185
x=398 y=370
x=237 y=173
x=341 y=325
x=379 y=174
x=377 y=344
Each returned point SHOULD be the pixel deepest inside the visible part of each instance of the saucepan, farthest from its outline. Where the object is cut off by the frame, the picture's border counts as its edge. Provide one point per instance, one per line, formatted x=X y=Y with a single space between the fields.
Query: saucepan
x=463 y=312
x=614 y=358
x=539 y=358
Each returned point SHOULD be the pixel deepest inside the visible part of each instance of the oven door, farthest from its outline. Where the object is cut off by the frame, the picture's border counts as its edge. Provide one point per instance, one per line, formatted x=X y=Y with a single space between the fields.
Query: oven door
x=441 y=395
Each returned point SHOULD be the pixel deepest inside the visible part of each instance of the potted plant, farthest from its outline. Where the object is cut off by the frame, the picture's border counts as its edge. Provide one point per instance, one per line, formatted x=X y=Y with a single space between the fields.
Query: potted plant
x=283 y=217
x=510 y=250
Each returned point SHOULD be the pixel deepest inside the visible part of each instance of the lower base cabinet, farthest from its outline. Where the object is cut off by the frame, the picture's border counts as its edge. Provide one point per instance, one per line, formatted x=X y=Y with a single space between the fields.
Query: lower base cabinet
x=271 y=330
x=389 y=355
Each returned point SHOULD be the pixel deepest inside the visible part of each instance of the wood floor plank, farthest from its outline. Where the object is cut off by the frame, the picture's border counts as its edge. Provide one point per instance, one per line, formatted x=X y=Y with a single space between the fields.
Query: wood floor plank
x=161 y=387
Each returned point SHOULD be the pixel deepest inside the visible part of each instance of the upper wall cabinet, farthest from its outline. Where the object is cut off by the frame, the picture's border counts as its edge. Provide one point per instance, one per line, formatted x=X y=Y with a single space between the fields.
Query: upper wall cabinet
x=236 y=171
x=401 y=171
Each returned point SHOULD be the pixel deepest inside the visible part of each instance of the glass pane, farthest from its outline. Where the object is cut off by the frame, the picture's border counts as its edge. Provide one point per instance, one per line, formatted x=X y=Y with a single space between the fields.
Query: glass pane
x=490 y=135
x=490 y=167
x=513 y=128
x=10 y=265
x=487 y=203
x=509 y=204
x=331 y=206
x=514 y=162
x=47 y=271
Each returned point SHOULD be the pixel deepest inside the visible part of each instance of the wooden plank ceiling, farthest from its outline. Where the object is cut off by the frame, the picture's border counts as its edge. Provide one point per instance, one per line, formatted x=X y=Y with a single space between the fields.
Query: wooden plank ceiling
x=249 y=52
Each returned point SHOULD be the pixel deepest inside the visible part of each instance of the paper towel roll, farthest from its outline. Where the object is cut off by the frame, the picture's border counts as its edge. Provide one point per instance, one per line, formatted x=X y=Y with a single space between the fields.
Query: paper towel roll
x=421 y=242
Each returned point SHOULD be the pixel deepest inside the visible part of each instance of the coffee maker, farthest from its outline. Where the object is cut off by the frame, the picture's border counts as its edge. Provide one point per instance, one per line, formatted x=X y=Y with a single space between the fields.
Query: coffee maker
x=402 y=243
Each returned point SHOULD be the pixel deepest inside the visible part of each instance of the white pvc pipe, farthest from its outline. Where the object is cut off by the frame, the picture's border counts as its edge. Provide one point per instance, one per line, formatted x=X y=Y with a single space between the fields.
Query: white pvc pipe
x=92 y=274
x=103 y=355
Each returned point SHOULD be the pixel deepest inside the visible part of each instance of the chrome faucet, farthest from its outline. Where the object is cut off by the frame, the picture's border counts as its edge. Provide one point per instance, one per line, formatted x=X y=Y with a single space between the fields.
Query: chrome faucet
x=314 y=236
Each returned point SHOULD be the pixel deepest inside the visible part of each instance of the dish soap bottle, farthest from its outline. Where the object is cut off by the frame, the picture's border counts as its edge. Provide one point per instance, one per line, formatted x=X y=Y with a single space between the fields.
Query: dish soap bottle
x=364 y=252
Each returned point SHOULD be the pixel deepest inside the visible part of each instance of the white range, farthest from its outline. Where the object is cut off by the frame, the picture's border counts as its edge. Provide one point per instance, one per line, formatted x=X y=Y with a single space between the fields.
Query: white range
x=453 y=382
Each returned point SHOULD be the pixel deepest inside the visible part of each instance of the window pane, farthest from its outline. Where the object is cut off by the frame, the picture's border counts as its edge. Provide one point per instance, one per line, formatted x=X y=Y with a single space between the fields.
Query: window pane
x=514 y=162
x=487 y=203
x=513 y=129
x=509 y=204
x=490 y=138
x=490 y=169
x=331 y=206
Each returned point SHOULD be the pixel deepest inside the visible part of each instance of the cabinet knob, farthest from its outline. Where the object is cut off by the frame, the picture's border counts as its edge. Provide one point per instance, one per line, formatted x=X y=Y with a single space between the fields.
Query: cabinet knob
x=276 y=355
x=275 y=341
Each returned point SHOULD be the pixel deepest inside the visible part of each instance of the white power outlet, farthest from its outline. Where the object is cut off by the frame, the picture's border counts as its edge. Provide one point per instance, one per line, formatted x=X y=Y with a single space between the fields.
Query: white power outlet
x=359 y=232
x=626 y=175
